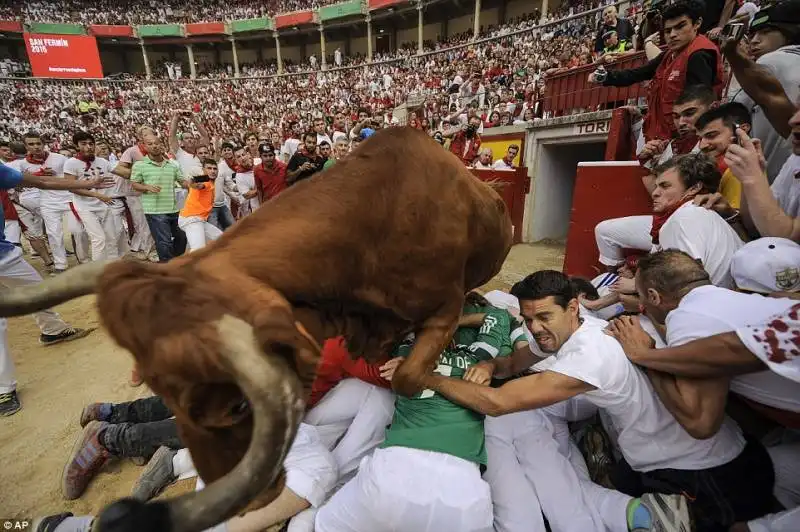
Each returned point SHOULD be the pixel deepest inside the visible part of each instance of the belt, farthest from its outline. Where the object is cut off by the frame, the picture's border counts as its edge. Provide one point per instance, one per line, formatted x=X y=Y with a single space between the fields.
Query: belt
x=128 y=215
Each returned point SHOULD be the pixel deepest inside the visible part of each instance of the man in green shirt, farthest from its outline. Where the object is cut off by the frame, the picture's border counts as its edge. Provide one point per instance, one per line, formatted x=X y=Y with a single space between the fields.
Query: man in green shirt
x=156 y=177
x=426 y=476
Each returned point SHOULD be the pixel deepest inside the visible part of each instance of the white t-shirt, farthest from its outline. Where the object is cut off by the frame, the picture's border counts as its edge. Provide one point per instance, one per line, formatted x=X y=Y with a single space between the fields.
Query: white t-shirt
x=500 y=164
x=704 y=235
x=189 y=164
x=130 y=156
x=224 y=174
x=339 y=135
x=28 y=197
x=77 y=168
x=786 y=187
x=775 y=345
x=289 y=147
x=649 y=437
x=709 y=310
x=245 y=182
x=324 y=137
x=52 y=199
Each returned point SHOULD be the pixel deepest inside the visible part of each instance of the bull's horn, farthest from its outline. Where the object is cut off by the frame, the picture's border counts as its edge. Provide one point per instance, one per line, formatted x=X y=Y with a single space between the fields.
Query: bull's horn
x=275 y=396
x=75 y=282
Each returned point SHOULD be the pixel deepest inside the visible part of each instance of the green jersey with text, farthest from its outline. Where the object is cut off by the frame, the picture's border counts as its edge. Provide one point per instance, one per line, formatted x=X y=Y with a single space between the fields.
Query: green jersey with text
x=430 y=422
x=496 y=335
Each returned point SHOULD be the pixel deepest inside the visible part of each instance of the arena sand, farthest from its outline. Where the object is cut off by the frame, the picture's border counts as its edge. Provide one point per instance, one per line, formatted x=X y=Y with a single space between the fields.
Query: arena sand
x=55 y=383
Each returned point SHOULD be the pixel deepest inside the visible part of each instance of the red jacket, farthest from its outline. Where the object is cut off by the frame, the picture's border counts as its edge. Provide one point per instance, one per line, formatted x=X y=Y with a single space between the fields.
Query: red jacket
x=458 y=144
x=336 y=365
x=668 y=83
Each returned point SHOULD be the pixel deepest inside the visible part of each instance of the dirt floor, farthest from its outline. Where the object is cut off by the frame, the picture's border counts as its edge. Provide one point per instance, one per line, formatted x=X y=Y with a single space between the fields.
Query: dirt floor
x=54 y=384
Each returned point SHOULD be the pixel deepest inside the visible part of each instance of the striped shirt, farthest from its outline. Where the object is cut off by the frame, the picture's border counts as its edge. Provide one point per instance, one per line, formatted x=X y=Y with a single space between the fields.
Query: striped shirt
x=165 y=175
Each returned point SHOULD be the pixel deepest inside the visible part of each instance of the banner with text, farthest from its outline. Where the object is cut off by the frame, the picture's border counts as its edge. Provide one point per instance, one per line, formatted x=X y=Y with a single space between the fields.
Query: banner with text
x=63 y=56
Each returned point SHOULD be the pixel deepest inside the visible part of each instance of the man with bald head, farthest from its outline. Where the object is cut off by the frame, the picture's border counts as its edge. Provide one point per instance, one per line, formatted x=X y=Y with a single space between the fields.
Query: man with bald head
x=612 y=22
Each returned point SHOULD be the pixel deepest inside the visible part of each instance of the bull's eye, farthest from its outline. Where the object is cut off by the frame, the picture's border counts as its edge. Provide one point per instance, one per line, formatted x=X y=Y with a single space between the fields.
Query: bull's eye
x=241 y=408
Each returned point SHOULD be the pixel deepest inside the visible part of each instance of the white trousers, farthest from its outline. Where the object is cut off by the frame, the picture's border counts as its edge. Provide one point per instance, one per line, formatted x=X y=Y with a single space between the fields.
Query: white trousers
x=53 y=218
x=310 y=469
x=30 y=214
x=198 y=231
x=142 y=240
x=614 y=235
x=535 y=468
x=786 y=462
x=14 y=271
x=399 y=489
x=13 y=231
x=80 y=238
x=351 y=420
x=122 y=243
x=788 y=521
x=103 y=233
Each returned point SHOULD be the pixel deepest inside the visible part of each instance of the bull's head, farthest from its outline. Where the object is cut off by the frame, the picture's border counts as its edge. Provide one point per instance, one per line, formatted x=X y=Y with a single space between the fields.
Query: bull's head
x=231 y=383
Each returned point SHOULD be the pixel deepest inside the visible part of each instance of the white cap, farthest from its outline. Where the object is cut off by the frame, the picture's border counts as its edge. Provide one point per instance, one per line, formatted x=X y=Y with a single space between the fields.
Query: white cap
x=767 y=265
x=503 y=300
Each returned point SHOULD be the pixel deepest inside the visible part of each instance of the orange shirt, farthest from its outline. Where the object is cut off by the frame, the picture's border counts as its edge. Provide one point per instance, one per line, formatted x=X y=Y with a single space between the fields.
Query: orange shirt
x=199 y=202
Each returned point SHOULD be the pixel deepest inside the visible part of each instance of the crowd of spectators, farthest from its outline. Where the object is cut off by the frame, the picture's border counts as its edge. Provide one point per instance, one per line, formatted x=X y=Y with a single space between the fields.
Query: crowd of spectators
x=500 y=79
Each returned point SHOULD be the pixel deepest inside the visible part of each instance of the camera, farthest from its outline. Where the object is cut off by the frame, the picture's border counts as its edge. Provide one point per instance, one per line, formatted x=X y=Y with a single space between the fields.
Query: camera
x=600 y=74
x=733 y=30
x=471 y=130
x=201 y=179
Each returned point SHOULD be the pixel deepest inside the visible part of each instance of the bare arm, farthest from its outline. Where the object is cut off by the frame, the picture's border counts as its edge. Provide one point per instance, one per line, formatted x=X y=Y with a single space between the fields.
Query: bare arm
x=123 y=170
x=205 y=138
x=763 y=87
x=525 y=393
x=47 y=183
x=697 y=404
x=172 y=137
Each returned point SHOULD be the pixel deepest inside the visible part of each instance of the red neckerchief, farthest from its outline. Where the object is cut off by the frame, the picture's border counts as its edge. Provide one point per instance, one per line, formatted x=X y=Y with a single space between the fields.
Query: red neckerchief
x=87 y=160
x=37 y=160
x=142 y=149
x=661 y=218
x=721 y=164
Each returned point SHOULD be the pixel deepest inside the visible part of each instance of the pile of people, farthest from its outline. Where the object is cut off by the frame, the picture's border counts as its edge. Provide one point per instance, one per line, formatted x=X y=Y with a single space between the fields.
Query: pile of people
x=663 y=395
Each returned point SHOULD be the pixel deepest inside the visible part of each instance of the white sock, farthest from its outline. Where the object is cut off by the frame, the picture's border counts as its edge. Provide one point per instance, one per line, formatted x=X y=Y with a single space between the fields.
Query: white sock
x=182 y=465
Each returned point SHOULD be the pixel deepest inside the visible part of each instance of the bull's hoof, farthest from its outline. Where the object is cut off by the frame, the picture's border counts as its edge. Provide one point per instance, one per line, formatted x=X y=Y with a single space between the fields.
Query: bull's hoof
x=130 y=515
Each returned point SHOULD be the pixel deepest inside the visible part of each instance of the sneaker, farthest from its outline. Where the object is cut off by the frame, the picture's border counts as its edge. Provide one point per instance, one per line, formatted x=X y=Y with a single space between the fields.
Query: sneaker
x=9 y=403
x=73 y=333
x=669 y=513
x=55 y=271
x=596 y=449
x=156 y=476
x=49 y=523
x=94 y=412
x=153 y=257
x=87 y=458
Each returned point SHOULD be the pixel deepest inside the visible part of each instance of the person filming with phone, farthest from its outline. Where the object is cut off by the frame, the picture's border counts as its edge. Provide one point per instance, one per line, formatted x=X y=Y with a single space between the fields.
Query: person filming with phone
x=690 y=59
x=193 y=218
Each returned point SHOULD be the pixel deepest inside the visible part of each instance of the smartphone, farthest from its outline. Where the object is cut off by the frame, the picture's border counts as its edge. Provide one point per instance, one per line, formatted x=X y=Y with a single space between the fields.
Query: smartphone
x=733 y=30
x=201 y=179
x=735 y=139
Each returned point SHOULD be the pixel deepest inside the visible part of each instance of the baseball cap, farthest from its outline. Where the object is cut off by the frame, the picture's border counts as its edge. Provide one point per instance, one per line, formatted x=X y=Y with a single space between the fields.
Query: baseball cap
x=265 y=148
x=783 y=16
x=367 y=132
x=767 y=265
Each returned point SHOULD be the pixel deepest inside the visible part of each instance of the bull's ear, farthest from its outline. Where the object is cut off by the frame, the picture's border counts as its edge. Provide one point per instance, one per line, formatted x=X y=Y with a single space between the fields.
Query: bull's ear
x=215 y=405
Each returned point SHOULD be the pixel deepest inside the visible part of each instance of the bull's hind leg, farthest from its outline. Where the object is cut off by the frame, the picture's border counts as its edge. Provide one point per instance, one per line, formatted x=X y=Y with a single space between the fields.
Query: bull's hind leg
x=431 y=339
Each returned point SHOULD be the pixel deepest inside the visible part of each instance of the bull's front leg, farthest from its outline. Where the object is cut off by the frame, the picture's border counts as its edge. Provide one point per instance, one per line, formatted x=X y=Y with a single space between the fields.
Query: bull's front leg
x=431 y=339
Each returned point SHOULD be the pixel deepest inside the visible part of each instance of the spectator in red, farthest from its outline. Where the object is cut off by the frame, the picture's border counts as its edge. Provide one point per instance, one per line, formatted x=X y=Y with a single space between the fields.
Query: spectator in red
x=466 y=140
x=270 y=174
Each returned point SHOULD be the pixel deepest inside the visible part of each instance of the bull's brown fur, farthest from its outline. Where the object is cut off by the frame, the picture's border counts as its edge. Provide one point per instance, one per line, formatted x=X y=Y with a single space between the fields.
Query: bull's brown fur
x=372 y=248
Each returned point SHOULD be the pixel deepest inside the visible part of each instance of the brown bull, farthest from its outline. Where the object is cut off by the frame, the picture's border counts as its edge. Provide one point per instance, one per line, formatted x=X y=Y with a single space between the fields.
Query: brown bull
x=385 y=242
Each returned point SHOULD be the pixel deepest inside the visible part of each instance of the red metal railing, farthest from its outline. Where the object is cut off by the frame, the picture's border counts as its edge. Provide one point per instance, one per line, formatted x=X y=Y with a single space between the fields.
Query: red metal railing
x=570 y=92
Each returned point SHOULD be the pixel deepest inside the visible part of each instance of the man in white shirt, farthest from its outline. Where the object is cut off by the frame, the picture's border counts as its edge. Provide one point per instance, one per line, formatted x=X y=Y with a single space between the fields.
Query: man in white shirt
x=141 y=241
x=337 y=58
x=484 y=161
x=91 y=206
x=679 y=224
x=185 y=149
x=225 y=189
x=507 y=162
x=659 y=455
x=246 y=182
x=291 y=144
x=319 y=129
x=54 y=204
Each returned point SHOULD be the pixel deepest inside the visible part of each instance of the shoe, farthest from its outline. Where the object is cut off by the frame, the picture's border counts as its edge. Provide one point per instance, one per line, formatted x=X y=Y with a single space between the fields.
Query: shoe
x=49 y=523
x=136 y=380
x=73 y=333
x=153 y=257
x=87 y=458
x=596 y=449
x=94 y=412
x=157 y=475
x=9 y=403
x=669 y=513
x=55 y=271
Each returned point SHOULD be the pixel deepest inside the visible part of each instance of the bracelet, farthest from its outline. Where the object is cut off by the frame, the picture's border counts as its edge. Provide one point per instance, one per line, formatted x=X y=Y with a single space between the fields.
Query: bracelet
x=733 y=217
